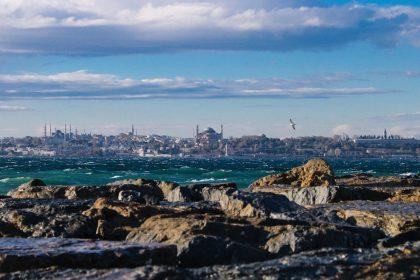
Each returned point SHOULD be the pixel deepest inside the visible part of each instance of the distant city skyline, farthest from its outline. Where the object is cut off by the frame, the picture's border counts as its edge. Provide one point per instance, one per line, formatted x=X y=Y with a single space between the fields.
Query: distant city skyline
x=332 y=66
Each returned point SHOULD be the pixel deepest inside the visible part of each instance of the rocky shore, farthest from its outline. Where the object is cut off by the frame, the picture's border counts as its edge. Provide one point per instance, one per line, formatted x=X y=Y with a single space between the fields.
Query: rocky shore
x=305 y=223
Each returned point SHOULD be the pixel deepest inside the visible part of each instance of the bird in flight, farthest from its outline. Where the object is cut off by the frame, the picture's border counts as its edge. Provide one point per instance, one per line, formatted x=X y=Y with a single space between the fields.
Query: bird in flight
x=292 y=124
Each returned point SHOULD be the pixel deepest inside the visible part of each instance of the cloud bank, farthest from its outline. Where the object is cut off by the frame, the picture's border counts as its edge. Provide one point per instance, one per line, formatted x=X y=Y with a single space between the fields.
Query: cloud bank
x=102 y=27
x=87 y=85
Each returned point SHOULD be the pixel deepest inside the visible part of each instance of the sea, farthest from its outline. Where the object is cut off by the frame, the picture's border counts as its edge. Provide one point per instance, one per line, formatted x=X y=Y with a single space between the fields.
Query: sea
x=243 y=171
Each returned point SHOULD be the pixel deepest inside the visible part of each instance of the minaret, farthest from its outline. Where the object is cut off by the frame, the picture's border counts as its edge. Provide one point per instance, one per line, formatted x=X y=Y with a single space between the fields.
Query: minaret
x=226 y=150
x=385 y=134
x=221 y=131
x=70 y=132
x=50 y=131
x=132 y=129
x=196 y=133
x=45 y=130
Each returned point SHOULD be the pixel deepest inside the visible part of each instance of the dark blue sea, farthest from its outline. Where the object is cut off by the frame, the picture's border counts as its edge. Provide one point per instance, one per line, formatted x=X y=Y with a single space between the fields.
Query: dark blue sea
x=243 y=171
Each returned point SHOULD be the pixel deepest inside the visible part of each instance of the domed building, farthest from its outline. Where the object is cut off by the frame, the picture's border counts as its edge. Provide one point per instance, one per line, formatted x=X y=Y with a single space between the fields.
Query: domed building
x=208 y=138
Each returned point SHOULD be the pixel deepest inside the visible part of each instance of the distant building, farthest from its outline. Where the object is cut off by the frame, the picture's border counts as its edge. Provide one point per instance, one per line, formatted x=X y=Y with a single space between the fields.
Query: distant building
x=209 y=138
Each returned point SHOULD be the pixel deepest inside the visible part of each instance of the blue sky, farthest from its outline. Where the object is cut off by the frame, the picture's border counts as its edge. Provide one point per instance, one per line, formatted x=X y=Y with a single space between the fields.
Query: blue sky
x=334 y=66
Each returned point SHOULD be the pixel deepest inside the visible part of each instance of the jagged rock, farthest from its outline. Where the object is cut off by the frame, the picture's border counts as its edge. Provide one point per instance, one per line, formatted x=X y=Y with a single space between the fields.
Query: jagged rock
x=262 y=205
x=45 y=218
x=21 y=254
x=368 y=180
x=408 y=236
x=198 y=192
x=289 y=239
x=392 y=218
x=145 y=195
x=316 y=172
x=321 y=195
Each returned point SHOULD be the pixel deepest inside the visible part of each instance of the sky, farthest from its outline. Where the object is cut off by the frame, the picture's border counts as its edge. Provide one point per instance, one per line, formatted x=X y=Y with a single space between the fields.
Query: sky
x=334 y=67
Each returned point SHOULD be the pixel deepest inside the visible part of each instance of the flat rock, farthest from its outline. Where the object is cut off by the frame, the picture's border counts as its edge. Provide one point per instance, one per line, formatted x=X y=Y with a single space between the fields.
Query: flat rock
x=392 y=218
x=332 y=263
x=21 y=254
x=368 y=180
x=45 y=218
x=321 y=195
x=316 y=172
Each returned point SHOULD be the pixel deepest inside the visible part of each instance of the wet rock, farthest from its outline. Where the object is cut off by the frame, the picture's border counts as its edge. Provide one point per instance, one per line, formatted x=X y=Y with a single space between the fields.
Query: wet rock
x=46 y=218
x=321 y=195
x=262 y=205
x=21 y=254
x=392 y=218
x=316 y=172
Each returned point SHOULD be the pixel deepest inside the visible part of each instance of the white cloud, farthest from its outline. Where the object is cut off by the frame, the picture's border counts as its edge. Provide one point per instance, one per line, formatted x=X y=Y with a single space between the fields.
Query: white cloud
x=87 y=85
x=343 y=128
x=12 y=108
x=106 y=27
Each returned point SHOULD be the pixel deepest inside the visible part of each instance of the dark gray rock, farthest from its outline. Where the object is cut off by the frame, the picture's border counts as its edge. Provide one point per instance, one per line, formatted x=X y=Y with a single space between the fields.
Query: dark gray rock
x=21 y=254
x=199 y=192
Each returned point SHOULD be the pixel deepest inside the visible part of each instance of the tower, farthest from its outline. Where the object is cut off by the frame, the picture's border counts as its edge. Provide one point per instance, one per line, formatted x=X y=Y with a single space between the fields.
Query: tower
x=385 y=134
x=70 y=132
x=45 y=130
x=50 y=131
x=132 y=129
x=221 y=131
x=196 y=133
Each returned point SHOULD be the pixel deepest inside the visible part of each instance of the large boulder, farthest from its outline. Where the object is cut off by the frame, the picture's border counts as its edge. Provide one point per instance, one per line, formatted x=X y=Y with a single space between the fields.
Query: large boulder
x=204 y=239
x=22 y=254
x=368 y=180
x=262 y=205
x=316 y=172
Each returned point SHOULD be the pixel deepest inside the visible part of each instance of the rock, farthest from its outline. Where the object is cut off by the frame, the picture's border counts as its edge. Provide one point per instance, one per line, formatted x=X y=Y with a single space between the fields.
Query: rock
x=195 y=235
x=262 y=206
x=144 y=194
x=21 y=254
x=316 y=172
x=368 y=180
x=291 y=239
x=392 y=218
x=164 y=186
x=408 y=236
x=115 y=219
x=330 y=263
x=46 y=218
x=198 y=192
x=410 y=194
x=321 y=195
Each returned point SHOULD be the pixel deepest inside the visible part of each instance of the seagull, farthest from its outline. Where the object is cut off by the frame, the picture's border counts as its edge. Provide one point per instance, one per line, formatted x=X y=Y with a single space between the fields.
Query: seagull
x=292 y=124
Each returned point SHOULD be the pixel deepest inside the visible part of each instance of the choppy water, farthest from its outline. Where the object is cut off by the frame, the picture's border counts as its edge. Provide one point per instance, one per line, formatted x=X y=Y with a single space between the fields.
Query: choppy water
x=14 y=171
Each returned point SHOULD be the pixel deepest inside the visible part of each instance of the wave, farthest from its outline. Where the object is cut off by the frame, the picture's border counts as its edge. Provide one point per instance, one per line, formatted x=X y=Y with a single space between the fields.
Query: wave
x=115 y=177
x=6 y=180
x=207 y=180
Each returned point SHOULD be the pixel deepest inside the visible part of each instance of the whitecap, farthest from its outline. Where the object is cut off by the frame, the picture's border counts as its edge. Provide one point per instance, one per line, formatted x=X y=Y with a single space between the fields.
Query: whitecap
x=115 y=177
